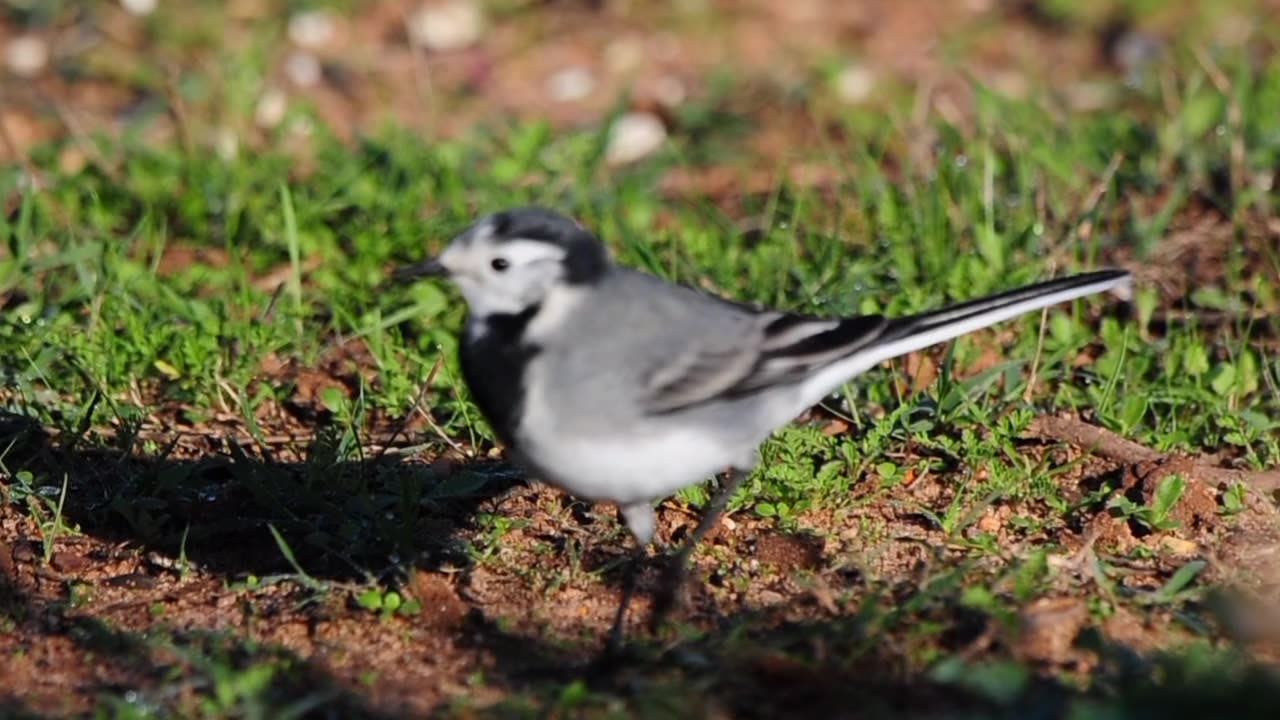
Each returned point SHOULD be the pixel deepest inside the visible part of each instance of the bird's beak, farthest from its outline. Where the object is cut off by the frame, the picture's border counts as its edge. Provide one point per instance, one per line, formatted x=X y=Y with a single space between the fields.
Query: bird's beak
x=428 y=267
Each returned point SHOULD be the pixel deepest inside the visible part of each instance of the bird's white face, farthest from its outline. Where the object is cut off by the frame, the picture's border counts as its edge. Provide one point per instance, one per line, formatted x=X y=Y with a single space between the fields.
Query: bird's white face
x=502 y=275
x=510 y=262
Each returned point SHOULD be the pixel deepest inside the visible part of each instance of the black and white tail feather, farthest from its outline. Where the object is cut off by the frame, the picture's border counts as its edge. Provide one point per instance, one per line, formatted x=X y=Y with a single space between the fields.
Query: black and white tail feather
x=818 y=354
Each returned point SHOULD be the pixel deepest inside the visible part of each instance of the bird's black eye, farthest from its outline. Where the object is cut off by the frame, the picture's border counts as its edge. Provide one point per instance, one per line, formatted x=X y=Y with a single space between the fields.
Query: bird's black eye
x=499 y=264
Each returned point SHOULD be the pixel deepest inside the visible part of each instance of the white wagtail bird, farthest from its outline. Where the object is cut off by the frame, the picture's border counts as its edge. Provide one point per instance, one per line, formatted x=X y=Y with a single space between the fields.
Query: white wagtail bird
x=618 y=386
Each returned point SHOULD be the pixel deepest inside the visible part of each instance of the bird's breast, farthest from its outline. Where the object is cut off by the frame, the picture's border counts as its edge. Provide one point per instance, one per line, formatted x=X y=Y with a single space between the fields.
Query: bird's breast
x=495 y=357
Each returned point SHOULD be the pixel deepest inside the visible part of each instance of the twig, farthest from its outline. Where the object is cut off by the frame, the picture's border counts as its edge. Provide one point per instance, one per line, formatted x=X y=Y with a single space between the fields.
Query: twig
x=417 y=407
x=1106 y=444
x=1216 y=76
x=424 y=88
x=178 y=109
x=1035 y=361
x=1099 y=441
x=1235 y=117
x=76 y=130
x=1094 y=198
x=1088 y=206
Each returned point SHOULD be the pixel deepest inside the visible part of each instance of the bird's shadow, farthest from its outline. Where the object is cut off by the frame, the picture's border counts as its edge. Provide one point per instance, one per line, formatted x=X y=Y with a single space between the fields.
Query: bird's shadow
x=236 y=511
x=234 y=514
x=238 y=514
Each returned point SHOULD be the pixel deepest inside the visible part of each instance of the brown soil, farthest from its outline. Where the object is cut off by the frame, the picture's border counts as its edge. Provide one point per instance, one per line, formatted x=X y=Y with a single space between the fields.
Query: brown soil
x=70 y=619
x=539 y=605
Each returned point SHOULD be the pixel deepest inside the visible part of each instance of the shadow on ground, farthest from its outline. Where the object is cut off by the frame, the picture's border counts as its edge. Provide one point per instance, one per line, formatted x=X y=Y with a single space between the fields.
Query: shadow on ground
x=102 y=618
x=338 y=518
x=229 y=575
x=137 y=674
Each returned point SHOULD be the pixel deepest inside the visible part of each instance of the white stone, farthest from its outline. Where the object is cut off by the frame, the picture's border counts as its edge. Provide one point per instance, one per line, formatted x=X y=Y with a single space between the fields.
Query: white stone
x=271 y=109
x=139 y=8
x=633 y=136
x=26 y=55
x=445 y=26
x=311 y=29
x=855 y=83
x=570 y=84
x=226 y=144
x=303 y=69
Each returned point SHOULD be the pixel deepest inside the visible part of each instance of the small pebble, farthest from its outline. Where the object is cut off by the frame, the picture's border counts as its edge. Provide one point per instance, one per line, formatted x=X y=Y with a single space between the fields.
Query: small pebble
x=855 y=83
x=1135 y=50
x=271 y=108
x=770 y=597
x=226 y=144
x=139 y=8
x=570 y=84
x=634 y=136
x=23 y=554
x=131 y=580
x=445 y=26
x=303 y=69
x=311 y=29
x=1090 y=96
x=1264 y=182
x=623 y=55
x=26 y=55
x=670 y=91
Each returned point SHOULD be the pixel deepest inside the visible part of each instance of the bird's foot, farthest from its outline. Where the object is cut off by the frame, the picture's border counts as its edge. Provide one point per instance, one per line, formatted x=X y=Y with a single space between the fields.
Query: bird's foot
x=670 y=591
x=616 y=654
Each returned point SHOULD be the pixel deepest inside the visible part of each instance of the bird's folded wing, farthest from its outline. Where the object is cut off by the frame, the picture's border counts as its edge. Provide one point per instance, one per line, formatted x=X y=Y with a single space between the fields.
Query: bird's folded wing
x=781 y=349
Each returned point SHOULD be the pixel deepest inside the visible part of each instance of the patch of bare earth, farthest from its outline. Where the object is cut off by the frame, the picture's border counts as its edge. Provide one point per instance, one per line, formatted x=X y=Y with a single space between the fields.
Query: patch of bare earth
x=112 y=74
x=537 y=605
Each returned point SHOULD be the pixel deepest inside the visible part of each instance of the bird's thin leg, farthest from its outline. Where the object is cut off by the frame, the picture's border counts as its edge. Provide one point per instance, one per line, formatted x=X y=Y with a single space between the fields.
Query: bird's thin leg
x=641 y=521
x=616 y=633
x=673 y=575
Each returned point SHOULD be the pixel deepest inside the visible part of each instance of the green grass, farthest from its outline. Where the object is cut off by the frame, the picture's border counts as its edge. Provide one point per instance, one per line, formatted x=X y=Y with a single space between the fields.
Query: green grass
x=92 y=314
x=98 y=344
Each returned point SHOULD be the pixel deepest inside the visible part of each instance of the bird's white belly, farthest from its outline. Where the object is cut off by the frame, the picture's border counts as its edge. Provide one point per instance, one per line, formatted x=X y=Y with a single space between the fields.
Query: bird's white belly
x=627 y=468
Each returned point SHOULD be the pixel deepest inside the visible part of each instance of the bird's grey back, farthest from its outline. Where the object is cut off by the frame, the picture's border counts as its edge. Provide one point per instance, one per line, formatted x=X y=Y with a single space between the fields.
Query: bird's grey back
x=632 y=326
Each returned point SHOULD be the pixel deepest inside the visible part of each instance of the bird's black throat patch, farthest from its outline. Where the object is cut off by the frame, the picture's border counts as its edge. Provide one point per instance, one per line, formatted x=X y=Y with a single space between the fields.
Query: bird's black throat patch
x=493 y=366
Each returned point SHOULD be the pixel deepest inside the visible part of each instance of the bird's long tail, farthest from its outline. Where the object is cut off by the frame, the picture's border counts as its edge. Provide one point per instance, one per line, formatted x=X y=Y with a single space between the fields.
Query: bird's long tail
x=820 y=354
x=916 y=332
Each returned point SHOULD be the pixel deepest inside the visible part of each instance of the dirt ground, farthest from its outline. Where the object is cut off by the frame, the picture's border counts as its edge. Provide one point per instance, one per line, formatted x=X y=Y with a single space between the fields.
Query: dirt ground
x=366 y=71
x=68 y=640
x=66 y=632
